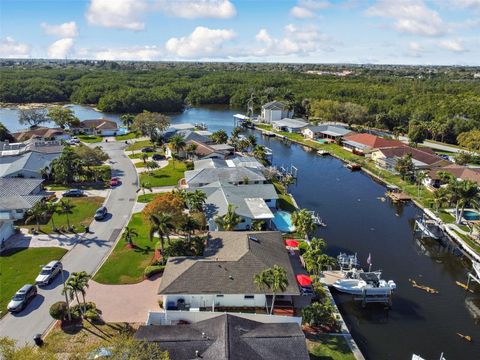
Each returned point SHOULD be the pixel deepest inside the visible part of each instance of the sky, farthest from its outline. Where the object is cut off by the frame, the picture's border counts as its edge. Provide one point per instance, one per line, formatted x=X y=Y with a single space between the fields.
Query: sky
x=423 y=32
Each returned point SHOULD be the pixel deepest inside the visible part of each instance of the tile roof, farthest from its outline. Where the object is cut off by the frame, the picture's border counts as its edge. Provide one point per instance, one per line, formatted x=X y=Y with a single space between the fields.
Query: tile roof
x=17 y=193
x=100 y=124
x=38 y=132
x=231 y=259
x=459 y=171
x=423 y=157
x=32 y=162
x=228 y=337
x=373 y=141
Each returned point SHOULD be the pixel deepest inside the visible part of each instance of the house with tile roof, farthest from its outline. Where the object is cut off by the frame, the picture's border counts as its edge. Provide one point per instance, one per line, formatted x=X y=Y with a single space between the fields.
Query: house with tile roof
x=101 y=127
x=228 y=337
x=223 y=276
x=273 y=111
x=387 y=158
x=362 y=144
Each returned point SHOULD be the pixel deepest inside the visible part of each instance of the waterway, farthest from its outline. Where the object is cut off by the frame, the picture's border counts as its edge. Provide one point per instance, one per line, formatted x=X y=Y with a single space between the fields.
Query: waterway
x=358 y=221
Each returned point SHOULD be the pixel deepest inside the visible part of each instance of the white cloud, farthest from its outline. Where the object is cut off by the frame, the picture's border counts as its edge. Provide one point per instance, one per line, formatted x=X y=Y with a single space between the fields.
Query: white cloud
x=302 y=13
x=415 y=49
x=306 y=8
x=452 y=45
x=296 y=40
x=315 y=4
x=469 y=4
x=65 y=30
x=200 y=43
x=10 y=48
x=135 y=53
x=193 y=9
x=118 y=14
x=60 y=48
x=411 y=16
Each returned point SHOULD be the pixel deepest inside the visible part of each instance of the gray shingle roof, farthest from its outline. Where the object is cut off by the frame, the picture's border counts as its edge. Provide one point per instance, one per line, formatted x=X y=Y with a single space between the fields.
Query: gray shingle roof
x=291 y=123
x=329 y=130
x=274 y=105
x=228 y=337
x=32 y=161
x=228 y=266
x=226 y=175
x=16 y=193
x=209 y=163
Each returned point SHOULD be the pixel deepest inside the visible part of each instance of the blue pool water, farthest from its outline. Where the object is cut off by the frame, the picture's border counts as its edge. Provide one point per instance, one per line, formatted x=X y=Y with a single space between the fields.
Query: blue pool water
x=283 y=221
x=471 y=215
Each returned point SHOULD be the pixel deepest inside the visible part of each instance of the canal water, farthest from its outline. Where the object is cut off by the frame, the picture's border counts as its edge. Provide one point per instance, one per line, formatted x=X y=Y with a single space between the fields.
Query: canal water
x=357 y=219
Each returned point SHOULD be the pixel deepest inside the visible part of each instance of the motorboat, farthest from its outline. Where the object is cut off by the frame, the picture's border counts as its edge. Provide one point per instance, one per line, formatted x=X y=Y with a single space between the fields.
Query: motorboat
x=365 y=283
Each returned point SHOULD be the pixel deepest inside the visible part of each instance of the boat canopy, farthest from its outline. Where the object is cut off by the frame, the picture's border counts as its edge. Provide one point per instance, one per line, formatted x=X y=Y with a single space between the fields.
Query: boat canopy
x=304 y=280
x=291 y=243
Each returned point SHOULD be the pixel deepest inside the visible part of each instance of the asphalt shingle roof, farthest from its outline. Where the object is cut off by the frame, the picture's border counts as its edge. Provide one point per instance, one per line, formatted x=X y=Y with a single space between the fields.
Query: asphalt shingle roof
x=226 y=175
x=274 y=105
x=291 y=123
x=17 y=193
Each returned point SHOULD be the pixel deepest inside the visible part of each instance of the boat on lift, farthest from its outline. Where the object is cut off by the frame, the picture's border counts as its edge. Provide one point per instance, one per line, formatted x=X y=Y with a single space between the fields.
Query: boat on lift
x=365 y=284
x=201 y=126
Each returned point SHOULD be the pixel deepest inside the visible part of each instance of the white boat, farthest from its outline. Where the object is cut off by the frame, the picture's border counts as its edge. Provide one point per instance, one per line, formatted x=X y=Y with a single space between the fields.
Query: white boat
x=323 y=152
x=367 y=284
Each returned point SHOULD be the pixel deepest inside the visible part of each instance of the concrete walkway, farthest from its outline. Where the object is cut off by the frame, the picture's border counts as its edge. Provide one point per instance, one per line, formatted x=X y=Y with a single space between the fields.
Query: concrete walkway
x=138 y=207
x=26 y=240
x=161 y=164
x=125 y=303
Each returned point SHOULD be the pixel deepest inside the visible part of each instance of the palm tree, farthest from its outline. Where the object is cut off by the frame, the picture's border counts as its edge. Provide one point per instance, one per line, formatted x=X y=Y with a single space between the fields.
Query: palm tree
x=314 y=258
x=405 y=167
x=440 y=197
x=161 y=224
x=66 y=208
x=252 y=141
x=219 y=137
x=235 y=132
x=77 y=283
x=303 y=222
x=37 y=213
x=421 y=175
x=242 y=145
x=465 y=193
x=273 y=279
x=230 y=220
x=151 y=165
x=144 y=186
x=190 y=150
x=260 y=154
x=129 y=234
x=51 y=208
x=45 y=173
x=258 y=225
x=127 y=120
x=189 y=225
x=195 y=200
x=144 y=157
x=319 y=313
x=177 y=143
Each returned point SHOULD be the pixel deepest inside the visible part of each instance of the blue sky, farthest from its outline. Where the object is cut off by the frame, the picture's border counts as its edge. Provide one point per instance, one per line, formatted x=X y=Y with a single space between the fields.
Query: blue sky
x=313 y=31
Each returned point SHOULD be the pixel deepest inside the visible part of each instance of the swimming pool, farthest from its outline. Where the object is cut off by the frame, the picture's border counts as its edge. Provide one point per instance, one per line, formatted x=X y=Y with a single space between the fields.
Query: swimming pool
x=471 y=215
x=283 y=221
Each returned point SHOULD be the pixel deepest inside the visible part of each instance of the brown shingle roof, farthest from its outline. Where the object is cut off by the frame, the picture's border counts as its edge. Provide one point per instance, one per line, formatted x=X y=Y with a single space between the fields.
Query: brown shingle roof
x=459 y=171
x=418 y=155
x=373 y=141
x=38 y=132
x=100 y=124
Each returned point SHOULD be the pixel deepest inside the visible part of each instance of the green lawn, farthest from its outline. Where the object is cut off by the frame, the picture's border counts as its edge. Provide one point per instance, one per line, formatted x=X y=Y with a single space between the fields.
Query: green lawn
x=139 y=154
x=138 y=145
x=90 y=138
x=124 y=265
x=328 y=347
x=147 y=197
x=129 y=136
x=167 y=176
x=20 y=267
x=58 y=187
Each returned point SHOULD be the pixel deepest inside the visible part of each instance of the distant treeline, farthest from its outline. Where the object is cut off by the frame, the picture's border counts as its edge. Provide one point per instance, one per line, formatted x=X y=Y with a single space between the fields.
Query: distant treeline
x=446 y=105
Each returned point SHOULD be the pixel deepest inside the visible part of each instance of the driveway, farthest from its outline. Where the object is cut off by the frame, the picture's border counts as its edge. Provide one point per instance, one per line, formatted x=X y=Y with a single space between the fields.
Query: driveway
x=125 y=303
x=26 y=240
x=87 y=254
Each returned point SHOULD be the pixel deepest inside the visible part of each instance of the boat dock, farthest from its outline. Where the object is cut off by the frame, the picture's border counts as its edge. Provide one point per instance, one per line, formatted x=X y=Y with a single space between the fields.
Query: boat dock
x=330 y=276
x=397 y=196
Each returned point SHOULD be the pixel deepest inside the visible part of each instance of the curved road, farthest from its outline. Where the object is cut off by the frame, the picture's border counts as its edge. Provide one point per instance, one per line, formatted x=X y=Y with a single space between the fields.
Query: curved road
x=86 y=255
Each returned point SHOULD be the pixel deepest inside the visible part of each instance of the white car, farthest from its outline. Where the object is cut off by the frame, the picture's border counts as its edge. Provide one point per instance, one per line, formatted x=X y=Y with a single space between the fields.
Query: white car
x=49 y=272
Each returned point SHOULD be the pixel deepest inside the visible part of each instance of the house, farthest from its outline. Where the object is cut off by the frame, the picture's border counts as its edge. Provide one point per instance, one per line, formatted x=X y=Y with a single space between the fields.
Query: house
x=289 y=125
x=386 y=158
x=325 y=132
x=275 y=110
x=460 y=172
x=229 y=337
x=175 y=128
x=17 y=196
x=223 y=276
x=238 y=161
x=251 y=203
x=203 y=151
x=27 y=165
x=364 y=143
x=101 y=127
x=233 y=176
x=43 y=146
x=41 y=133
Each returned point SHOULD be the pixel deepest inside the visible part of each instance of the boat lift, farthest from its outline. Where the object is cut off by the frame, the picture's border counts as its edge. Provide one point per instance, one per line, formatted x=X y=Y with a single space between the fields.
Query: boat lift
x=288 y=171
x=317 y=219
x=475 y=276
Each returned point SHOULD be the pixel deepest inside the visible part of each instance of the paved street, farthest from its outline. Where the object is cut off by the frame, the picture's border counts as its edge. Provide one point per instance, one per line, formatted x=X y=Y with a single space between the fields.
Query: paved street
x=86 y=255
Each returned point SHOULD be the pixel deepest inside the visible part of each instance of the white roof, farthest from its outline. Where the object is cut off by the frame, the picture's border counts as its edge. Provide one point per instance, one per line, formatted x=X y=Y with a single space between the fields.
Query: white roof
x=291 y=123
x=241 y=116
x=259 y=208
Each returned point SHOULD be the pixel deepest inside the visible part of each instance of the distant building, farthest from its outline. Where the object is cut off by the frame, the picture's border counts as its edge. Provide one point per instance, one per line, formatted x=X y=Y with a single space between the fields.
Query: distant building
x=42 y=146
x=41 y=133
x=275 y=110
x=365 y=143
x=228 y=337
x=289 y=125
x=325 y=132
x=100 y=127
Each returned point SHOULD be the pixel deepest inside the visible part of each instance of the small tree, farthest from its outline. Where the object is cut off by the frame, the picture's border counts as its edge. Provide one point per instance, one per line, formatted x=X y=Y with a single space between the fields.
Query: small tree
x=151 y=165
x=273 y=279
x=37 y=213
x=219 y=137
x=66 y=208
x=405 y=167
x=32 y=117
x=129 y=234
x=63 y=116
x=319 y=313
x=59 y=310
x=177 y=143
x=230 y=220
x=304 y=222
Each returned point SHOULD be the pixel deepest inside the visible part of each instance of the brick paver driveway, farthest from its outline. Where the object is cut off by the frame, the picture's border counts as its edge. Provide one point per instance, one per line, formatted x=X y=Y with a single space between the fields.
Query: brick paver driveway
x=125 y=303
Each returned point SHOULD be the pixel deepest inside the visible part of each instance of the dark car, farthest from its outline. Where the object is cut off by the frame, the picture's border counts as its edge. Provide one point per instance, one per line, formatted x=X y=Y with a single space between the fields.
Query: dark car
x=101 y=213
x=73 y=193
x=21 y=299
x=148 y=149
x=158 y=157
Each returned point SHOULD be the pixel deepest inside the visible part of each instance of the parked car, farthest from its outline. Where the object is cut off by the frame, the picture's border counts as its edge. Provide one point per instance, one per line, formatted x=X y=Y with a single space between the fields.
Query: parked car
x=48 y=273
x=101 y=213
x=148 y=149
x=158 y=157
x=21 y=299
x=115 y=182
x=73 y=193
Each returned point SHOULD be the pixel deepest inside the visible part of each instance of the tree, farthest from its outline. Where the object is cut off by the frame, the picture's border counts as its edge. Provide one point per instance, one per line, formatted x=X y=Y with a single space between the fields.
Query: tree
x=252 y=141
x=5 y=134
x=314 y=258
x=419 y=177
x=470 y=140
x=145 y=186
x=59 y=310
x=188 y=225
x=190 y=150
x=32 y=117
x=303 y=222
x=129 y=234
x=219 y=137
x=405 y=167
x=63 y=116
x=463 y=158
x=127 y=120
x=67 y=167
x=273 y=279
x=196 y=200
x=51 y=208
x=168 y=203
x=144 y=157
x=91 y=156
x=162 y=224
x=229 y=220
x=286 y=181
x=151 y=124
x=151 y=165
x=37 y=213
x=242 y=145
x=260 y=153
x=77 y=283
x=66 y=208
x=258 y=225
x=463 y=193
x=440 y=197
x=417 y=132
x=177 y=144
x=319 y=313
x=45 y=173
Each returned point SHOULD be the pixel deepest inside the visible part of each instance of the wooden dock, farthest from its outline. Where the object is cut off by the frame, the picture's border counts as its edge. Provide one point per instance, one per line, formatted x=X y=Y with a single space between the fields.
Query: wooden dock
x=398 y=196
x=329 y=277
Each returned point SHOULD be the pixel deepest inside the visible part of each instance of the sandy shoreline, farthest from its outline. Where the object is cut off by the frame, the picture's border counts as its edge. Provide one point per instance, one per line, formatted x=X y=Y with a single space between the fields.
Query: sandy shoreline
x=26 y=106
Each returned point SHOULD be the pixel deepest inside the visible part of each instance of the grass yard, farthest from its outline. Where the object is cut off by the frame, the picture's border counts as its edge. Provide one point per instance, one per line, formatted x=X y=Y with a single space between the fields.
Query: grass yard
x=138 y=155
x=90 y=138
x=328 y=347
x=124 y=265
x=21 y=266
x=138 y=145
x=57 y=187
x=147 y=197
x=129 y=136
x=167 y=176
x=285 y=203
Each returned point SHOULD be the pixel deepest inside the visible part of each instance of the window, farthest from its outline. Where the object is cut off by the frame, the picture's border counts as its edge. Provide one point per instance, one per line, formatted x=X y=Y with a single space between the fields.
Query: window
x=219 y=295
x=249 y=297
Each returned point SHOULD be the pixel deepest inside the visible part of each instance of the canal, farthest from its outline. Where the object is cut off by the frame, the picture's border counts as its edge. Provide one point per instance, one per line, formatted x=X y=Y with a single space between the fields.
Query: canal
x=359 y=221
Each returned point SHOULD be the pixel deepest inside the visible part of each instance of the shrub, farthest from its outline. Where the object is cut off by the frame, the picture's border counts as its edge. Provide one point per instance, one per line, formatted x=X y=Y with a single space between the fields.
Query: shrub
x=303 y=247
x=59 y=310
x=189 y=165
x=153 y=269
x=91 y=311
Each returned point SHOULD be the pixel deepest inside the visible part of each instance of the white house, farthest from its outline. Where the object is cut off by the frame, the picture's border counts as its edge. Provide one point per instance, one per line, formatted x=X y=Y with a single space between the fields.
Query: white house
x=325 y=132
x=275 y=110
x=223 y=277
x=289 y=125
x=6 y=230
x=225 y=175
x=101 y=127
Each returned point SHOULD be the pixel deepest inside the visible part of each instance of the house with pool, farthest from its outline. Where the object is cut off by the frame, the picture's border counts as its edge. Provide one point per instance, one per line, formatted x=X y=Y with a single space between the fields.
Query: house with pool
x=222 y=279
